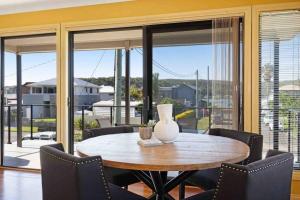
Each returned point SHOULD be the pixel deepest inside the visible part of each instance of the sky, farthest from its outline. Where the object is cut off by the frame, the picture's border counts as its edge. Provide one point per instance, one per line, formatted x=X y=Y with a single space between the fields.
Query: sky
x=181 y=62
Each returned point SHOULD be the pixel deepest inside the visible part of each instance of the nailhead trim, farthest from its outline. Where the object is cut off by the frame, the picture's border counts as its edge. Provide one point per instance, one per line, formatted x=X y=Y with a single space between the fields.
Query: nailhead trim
x=270 y=165
x=220 y=180
x=86 y=162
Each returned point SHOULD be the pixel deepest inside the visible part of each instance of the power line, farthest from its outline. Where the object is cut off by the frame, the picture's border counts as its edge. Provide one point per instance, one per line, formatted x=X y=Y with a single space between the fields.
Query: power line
x=34 y=66
x=95 y=69
x=165 y=69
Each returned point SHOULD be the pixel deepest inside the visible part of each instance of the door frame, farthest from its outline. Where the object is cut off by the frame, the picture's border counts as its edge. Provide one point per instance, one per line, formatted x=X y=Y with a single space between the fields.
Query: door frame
x=70 y=58
x=18 y=88
x=148 y=32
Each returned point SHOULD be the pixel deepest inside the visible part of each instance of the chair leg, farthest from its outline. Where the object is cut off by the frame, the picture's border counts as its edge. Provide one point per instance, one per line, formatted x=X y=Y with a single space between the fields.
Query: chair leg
x=182 y=191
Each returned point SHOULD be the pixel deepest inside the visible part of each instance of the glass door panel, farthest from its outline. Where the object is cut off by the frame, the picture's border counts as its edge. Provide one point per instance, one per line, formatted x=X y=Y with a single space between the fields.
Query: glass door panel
x=183 y=70
x=107 y=81
x=29 y=98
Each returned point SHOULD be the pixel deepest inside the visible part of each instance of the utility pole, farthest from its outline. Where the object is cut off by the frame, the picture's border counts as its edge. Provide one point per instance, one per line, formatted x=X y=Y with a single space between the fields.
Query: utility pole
x=197 y=101
x=207 y=87
x=118 y=89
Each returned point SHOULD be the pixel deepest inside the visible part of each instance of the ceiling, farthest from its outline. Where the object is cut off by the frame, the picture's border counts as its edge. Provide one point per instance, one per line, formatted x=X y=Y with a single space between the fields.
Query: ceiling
x=17 y=6
x=108 y=40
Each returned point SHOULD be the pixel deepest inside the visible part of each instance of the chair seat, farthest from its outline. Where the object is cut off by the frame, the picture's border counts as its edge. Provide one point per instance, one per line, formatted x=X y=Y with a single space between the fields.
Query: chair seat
x=206 y=179
x=120 y=177
x=208 y=195
x=118 y=193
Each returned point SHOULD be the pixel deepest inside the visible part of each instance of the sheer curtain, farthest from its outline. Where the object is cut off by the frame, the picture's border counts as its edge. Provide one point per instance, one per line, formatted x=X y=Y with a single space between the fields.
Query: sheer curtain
x=225 y=73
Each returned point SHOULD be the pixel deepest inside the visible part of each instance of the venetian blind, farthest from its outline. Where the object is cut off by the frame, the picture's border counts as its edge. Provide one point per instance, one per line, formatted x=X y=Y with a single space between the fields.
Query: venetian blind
x=279 y=65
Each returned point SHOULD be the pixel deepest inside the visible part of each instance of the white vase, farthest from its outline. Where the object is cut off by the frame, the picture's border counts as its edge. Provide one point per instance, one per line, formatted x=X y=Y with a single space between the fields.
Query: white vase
x=166 y=130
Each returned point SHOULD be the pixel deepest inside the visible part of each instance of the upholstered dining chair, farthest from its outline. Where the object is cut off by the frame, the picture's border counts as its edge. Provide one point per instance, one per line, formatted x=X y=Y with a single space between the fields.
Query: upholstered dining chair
x=119 y=177
x=207 y=179
x=268 y=179
x=66 y=177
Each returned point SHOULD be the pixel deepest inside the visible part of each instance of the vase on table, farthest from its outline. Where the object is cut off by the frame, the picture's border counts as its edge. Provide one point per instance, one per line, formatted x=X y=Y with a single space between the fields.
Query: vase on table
x=166 y=129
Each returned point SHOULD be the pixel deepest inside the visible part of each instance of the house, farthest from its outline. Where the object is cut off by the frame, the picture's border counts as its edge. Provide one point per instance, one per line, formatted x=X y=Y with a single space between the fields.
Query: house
x=183 y=93
x=10 y=93
x=43 y=95
x=106 y=92
x=291 y=90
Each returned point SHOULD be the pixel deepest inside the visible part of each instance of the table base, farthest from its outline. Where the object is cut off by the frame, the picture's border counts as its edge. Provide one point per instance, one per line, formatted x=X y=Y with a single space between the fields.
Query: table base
x=158 y=183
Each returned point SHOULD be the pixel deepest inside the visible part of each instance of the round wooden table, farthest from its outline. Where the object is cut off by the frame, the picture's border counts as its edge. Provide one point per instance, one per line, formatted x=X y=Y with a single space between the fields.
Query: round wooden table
x=189 y=153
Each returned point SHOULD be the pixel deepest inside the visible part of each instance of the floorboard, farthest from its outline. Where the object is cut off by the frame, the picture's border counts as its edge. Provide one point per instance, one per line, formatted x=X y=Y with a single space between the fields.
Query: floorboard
x=24 y=185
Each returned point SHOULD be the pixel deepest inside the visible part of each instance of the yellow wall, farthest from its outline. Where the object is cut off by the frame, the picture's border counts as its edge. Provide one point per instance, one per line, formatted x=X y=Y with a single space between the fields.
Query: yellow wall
x=137 y=8
x=124 y=9
x=296 y=187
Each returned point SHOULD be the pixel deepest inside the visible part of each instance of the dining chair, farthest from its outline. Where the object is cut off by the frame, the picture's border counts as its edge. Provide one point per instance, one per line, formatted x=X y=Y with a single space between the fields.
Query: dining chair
x=207 y=179
x=67 y=177
x=120 y=177
x=268 y=179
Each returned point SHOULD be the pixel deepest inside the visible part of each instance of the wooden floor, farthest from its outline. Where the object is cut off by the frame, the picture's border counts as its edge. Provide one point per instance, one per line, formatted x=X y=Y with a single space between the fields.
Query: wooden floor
x=21 y=185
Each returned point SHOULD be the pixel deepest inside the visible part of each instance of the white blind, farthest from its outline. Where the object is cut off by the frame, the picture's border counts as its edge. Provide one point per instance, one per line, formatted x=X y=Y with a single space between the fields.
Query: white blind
x=279 y=43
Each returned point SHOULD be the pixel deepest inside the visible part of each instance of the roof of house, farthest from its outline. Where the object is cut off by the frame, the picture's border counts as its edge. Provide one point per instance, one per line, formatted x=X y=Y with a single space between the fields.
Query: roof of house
x=190 y=86
x=106 y=89
x=111 y=103
x=290 y=88
x=52 y=82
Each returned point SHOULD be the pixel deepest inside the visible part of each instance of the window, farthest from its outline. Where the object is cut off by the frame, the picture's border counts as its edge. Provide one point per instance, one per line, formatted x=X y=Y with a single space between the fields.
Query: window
x=49 y=90
x=36 y=90
x=279 y=43
x=195 y=67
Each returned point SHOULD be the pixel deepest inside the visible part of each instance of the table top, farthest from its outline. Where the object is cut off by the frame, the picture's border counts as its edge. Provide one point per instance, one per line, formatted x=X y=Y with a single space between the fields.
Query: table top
x=188 y=152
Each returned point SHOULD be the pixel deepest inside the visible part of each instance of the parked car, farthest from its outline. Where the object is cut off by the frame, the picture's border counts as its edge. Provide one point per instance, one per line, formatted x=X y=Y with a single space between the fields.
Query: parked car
x=46 y=135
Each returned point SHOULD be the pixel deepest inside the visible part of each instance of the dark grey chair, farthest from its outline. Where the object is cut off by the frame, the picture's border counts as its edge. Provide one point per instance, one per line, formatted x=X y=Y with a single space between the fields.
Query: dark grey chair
x=119 y=177
x=268 y=179
x=207 y=179
x=66 y=177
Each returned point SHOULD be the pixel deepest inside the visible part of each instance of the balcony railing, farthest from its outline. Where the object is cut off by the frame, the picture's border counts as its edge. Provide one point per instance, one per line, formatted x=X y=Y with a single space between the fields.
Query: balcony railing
x=36 y=118
x=281 y=132
x=285 y=136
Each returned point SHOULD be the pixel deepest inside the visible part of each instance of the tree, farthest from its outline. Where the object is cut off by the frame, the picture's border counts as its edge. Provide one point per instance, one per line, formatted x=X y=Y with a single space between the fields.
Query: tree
x=177 y=106
x=155 y=86
x=267 y=76
x=135 y=93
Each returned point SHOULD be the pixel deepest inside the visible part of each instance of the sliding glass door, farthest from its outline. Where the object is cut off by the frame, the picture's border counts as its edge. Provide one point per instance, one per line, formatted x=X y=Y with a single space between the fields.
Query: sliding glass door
x=183 y=66
x=28 y=98
x=118 y=76
x=105 y=80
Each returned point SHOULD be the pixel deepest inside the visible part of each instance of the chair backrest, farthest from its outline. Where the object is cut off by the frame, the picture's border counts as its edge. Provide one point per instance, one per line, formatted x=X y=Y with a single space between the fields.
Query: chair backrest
x=268 y=179
x=90 y=133
x=253 y=140
x=68 y=177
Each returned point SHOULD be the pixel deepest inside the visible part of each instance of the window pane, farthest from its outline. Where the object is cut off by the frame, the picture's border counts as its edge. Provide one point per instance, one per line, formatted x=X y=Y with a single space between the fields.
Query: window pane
x=181 y=61
x=34 y=60
x=280 y=81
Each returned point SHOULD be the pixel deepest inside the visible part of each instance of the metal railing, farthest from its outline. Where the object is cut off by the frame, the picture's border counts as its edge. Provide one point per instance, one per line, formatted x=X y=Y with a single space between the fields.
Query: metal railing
x=83 y=108
x=11 y=109
x=281 y=130
x=202 y=112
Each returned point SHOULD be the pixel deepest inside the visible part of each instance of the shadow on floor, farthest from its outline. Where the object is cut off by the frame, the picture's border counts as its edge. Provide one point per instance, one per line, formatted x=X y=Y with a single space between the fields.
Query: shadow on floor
x=15 y=162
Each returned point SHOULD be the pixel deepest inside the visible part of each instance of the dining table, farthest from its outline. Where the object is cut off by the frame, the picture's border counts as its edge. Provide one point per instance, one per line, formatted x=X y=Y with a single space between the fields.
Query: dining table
x=151 y=164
